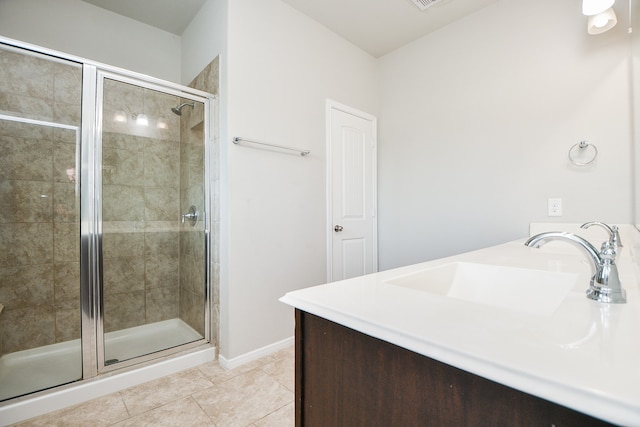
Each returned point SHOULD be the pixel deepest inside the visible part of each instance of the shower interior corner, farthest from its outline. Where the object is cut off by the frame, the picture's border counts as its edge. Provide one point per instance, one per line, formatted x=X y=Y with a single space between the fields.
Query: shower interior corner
x=105 y=275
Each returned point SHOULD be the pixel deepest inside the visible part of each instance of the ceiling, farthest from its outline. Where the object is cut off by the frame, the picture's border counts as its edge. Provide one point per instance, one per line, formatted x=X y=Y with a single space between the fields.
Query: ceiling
x=381 y=26
x=169 y=15
x=376 y=26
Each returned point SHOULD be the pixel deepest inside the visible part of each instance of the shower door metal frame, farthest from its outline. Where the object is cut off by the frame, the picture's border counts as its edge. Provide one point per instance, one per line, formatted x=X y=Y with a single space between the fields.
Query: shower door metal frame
x=90 y=230
x=88 y=161
x=93 y=348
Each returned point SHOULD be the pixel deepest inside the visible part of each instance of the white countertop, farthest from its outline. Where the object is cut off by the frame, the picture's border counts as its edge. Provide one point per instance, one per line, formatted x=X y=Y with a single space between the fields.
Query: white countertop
x=585 y=355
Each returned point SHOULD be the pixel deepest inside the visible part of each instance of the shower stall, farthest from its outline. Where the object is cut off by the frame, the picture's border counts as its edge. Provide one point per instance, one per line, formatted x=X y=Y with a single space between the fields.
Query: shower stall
x=105 y=220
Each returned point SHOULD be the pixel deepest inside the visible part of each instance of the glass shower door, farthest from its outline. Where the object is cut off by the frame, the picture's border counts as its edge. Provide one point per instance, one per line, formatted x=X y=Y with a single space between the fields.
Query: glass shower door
x=40 y=104
x=153 y=223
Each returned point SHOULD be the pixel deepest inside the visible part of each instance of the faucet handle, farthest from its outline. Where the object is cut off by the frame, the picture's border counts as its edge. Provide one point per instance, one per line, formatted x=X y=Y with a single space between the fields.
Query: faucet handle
x=614 y=234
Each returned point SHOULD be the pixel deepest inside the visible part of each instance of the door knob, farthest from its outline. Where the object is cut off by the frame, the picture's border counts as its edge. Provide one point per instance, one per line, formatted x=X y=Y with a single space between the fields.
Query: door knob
x=338 y=228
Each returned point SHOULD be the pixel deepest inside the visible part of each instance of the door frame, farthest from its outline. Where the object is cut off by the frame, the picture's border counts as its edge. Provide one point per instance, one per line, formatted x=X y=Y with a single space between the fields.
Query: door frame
x=334 y=105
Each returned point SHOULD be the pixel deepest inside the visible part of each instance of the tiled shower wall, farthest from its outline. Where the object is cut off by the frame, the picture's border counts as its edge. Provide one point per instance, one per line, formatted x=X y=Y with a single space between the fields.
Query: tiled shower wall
x=39 y=229
x=191 y=180
x=140 y=208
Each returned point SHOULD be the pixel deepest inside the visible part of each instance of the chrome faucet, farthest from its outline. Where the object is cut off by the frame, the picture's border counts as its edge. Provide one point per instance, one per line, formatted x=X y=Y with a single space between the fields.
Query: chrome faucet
x=605 y=285
x=614 y=234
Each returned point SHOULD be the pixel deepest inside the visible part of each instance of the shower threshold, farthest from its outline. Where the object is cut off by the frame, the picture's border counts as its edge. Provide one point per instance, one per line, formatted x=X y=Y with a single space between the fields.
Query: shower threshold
x=40 y=368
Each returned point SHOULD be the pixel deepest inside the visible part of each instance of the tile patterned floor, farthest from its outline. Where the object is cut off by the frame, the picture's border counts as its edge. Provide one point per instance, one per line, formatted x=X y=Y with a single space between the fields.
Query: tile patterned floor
x=258 y=394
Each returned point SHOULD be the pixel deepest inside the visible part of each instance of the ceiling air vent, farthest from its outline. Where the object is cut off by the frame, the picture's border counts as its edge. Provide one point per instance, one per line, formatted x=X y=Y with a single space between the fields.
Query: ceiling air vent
x=425 y=4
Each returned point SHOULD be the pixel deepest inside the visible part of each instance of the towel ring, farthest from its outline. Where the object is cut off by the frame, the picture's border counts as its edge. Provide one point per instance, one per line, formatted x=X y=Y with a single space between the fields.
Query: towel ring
x=582 y=145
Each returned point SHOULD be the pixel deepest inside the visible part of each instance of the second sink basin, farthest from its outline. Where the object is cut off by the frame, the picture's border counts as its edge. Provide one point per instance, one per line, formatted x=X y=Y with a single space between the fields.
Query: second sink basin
x=521 y=289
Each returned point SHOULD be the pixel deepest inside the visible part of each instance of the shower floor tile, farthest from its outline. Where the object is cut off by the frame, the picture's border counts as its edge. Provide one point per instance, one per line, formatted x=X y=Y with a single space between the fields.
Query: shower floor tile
x=258 y=394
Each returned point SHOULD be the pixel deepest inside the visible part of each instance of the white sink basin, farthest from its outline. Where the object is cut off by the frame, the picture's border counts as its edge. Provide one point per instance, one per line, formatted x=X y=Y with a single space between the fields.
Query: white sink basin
x=531 y=291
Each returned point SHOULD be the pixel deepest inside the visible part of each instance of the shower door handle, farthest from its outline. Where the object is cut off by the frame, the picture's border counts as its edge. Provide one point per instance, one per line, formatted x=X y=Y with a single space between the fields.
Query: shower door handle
x=191 y=216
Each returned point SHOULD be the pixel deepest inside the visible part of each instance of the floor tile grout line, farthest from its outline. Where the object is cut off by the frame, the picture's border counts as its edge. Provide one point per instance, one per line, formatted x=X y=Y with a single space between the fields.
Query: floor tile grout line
x=257 y=365
x=203 y=410
x=274 y=411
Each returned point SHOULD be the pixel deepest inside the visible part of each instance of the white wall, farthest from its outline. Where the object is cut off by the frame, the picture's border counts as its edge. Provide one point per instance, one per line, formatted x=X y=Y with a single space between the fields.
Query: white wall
x=90 y=32
x=204 y=39
x=476 y=121
x=278 y=67
x=635 y=45
x=282 y=66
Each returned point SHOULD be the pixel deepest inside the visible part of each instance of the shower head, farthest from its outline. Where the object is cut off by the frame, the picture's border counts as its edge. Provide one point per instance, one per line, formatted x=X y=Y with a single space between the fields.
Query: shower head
x=178 y=110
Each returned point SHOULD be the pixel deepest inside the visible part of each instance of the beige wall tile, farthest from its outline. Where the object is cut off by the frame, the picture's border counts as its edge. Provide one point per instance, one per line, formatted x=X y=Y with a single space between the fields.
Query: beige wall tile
x=68 y=114
x=67 y=84
x=27 y=106
x=26 y=75
x=24 y=244
x=66 y=281
x=191 y=240
x=123 y=141
x=67 y=315
x=121 y=167
x=161 y=164
x=66 y=242
x=123 y=244
x=121 y=275
x=64 y=160
x=192 y=273
x=124 y=310
x=66 y=206
x=192 y=310
x=26 y=130
x=122 y=203
x=41 y=89
x=162 y=304
x=121 y=96
x=30 y=327
x=25 y=201
x=68 y=136
x=165 y=243
x=162 y=204
x=26 y=285
x=162 y=271
x=26 y=159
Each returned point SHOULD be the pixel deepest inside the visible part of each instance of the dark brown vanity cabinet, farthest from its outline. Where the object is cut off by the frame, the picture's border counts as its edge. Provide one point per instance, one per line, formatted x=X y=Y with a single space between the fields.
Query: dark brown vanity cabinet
x=346 y=378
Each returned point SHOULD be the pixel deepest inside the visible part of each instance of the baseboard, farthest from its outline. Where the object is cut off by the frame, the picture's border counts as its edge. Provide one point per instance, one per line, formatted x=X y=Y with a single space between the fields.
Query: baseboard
x=255 y=354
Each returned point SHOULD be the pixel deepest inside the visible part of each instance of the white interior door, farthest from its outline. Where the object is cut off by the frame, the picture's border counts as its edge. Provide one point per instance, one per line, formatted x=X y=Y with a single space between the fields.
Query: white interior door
x=352 y=241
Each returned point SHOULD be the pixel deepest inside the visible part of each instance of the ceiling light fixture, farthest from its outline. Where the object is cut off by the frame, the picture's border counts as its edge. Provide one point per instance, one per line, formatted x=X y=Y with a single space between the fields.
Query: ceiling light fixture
x=602 y=22
x=601 y=15
x=594 y=7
